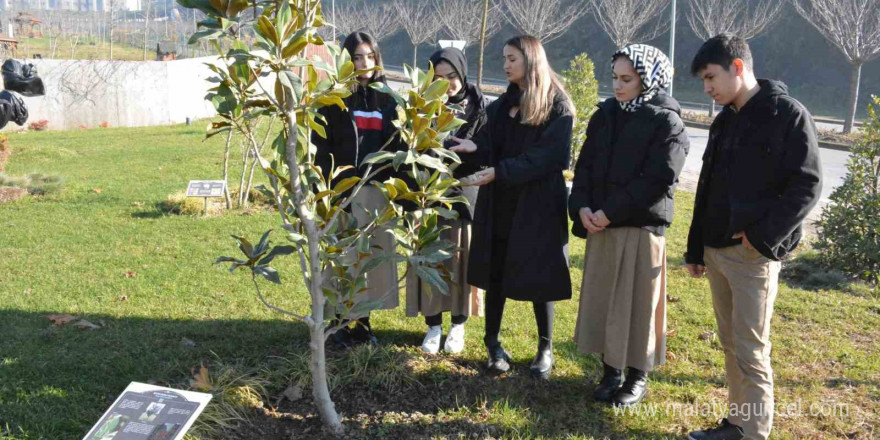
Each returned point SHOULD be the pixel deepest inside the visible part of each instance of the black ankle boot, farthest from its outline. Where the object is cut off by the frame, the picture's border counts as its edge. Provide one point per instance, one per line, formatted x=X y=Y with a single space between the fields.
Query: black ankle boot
x=612 y=379
x=542 y=364
x=499 y=359
x=634 y=388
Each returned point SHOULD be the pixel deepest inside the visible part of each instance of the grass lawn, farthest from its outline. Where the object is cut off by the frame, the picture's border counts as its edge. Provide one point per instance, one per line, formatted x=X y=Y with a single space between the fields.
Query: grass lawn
x=86 y=49
x=101 y=250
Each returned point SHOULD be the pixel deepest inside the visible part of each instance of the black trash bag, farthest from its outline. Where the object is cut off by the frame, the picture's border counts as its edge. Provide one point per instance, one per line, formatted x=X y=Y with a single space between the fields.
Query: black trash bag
x=12 y=108
x=22 y=78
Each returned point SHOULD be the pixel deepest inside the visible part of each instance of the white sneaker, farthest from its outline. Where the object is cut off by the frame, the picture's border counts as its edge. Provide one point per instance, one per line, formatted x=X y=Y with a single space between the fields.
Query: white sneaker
x=431 y=344
x=455 y=339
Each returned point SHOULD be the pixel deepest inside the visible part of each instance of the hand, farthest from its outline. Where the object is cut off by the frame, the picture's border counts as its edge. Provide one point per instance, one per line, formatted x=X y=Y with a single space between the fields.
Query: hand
x=463 y=146
x=599 y=219
x=586 y=215
x=696 y=270
x=484 y=177
x=745 y=240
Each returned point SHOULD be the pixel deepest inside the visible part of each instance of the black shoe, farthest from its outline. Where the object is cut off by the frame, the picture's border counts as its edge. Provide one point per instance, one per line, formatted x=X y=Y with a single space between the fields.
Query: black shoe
x=499 y=359
x=363 y=334
x=342 y=338
x=724 y=431
x=633 y=390
x=612 y=379
x=542 y=364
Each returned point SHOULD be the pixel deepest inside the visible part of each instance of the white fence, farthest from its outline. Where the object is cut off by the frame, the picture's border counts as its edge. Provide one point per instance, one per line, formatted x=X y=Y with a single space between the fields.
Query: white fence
x=120 y=93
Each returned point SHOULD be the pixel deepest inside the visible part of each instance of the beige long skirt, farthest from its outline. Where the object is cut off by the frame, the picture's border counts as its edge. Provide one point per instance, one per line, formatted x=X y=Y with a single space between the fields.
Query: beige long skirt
x=381 y=281
x=463 y=299
x=622 y=312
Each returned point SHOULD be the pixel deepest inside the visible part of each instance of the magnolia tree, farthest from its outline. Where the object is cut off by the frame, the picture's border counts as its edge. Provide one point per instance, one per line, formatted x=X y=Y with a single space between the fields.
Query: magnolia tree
x=274 y=78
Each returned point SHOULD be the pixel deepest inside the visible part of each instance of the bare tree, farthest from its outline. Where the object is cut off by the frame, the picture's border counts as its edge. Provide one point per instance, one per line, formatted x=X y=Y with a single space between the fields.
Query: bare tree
x=853 y=26
x=462 y=19
x=420 y=21
x=378 y=19
x=374 y=17
x=746 y=19
x=147 y=6
x=629 y=21
x=709 y=18
x=484 y=23
x=545 y=20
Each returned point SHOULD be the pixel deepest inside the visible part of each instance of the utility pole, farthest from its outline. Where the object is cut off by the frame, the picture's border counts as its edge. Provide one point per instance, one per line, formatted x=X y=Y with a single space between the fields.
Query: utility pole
x=672 y=47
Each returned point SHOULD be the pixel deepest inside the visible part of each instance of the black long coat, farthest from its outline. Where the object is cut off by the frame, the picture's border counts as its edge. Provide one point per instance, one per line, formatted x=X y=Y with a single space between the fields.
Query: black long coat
x=535 y=267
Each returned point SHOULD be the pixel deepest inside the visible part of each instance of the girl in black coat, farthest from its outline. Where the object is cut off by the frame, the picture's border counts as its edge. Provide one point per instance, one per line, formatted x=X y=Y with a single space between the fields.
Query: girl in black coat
x=352 y=134
x=520 y=224
x=622 y=196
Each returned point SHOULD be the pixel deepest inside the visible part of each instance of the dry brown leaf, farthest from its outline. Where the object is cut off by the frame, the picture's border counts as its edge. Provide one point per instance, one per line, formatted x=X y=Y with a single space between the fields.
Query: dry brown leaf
x=670 y=356
x=673 y=299
x=29 y=291
x=671 y=333
x=97 y=190
x=201 y=381
x=130 y=274
x=122 y=298
x=62 y=320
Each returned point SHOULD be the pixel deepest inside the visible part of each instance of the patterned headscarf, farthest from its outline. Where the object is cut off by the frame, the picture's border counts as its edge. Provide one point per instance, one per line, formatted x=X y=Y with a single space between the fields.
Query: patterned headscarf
x=653 y=68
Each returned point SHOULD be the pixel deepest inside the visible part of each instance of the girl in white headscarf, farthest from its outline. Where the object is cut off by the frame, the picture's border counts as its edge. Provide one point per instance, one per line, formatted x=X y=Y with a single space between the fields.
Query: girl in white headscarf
x=621 y=201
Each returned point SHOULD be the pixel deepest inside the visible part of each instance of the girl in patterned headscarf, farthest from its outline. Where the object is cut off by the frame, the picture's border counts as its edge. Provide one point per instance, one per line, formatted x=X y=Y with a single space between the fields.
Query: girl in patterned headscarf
x=621 y=201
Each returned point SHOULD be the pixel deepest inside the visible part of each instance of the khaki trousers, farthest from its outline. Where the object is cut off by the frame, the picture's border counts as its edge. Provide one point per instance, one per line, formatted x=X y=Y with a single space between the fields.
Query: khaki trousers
x=744 y=285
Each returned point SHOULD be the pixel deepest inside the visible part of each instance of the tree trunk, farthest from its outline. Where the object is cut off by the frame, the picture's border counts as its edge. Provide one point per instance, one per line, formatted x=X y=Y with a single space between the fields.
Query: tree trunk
x=146 y=29
x=853 y=98
x=318 y=360
x=318 y=368
x=712 y=108
x=482 y=42
x=226 y=170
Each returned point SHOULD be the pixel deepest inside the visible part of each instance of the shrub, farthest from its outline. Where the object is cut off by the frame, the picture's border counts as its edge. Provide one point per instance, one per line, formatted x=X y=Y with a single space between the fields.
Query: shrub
x=849 y=238
x=179 y=203
x=580 y=82
x=36 y=184
x=40 y=125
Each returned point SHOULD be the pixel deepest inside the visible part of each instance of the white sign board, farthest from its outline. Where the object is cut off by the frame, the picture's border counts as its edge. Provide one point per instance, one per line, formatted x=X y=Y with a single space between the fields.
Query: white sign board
x=458 y=44
x=205 y=188
x=148 y=412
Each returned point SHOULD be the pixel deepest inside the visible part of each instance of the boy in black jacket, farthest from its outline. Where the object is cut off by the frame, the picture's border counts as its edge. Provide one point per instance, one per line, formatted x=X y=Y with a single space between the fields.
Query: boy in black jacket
x=760 y=178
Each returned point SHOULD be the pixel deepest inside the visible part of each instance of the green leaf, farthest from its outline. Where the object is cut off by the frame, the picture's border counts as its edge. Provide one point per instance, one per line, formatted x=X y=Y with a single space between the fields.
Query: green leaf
x=436 y=89
x=432 y=163
x=277 y=251
x=245 y=246
x=379 y=156
x=263 y=244
x=433 y=278
x=268 y=273
x=208 y=34
x=346 y=184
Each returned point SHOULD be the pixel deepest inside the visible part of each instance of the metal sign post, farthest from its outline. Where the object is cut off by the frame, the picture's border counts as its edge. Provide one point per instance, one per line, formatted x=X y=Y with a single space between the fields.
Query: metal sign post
x=206 y=189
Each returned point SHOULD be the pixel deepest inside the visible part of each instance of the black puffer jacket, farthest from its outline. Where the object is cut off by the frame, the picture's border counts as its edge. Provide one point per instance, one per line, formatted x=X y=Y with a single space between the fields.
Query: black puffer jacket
x=774 y=173
x=354 y=133
x=631 y=178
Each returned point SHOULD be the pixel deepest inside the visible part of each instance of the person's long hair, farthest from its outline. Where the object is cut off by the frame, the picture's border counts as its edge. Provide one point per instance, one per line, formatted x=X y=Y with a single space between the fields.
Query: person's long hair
x=357 y=38
x=542 y=83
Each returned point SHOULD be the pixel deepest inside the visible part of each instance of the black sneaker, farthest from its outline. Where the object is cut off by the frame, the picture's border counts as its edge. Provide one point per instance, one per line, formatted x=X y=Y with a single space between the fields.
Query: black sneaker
x=363 y=334
x=724 y=431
